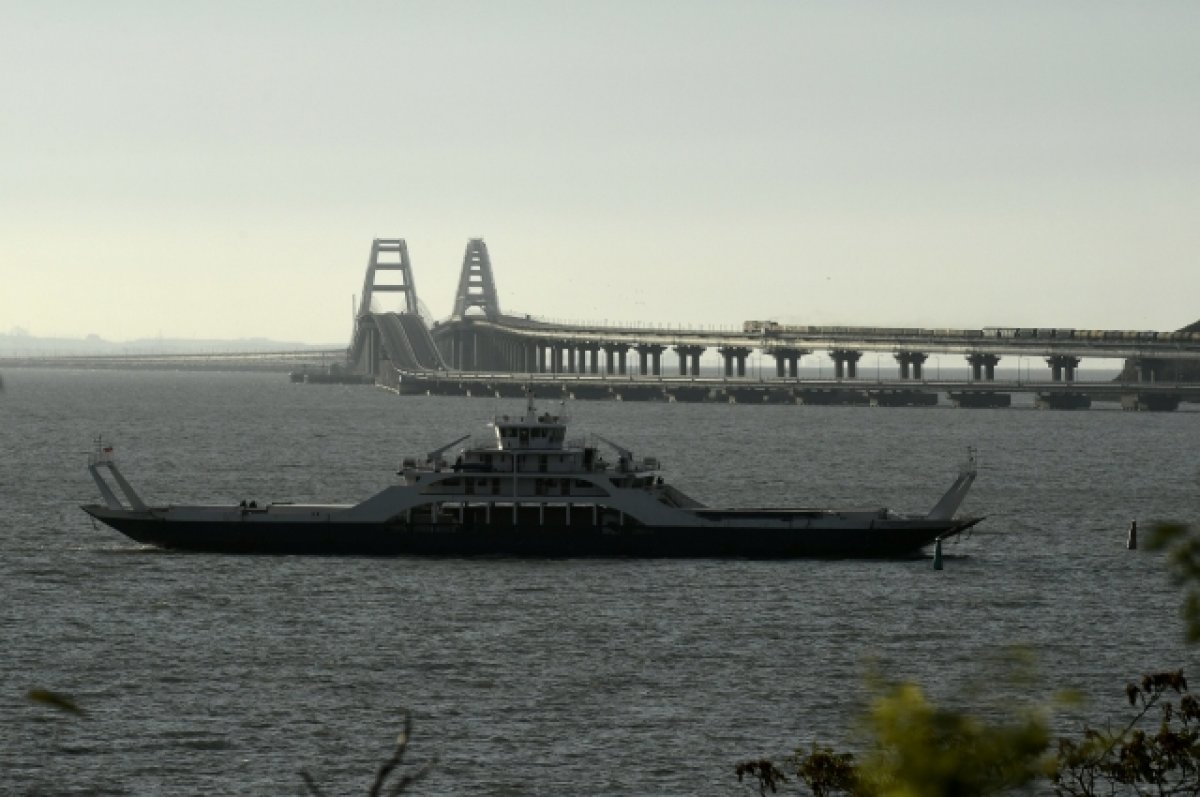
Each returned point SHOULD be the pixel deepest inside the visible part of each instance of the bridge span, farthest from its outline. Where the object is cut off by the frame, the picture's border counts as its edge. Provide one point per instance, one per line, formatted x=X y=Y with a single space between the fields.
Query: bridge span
x=478 y=338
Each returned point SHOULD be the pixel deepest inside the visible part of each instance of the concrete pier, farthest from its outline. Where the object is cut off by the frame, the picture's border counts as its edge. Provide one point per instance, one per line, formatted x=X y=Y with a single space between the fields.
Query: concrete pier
x=787 y=361
x=689 y=354
x=911 y=360
x=615 y=355
x=1045 y=400
x=983 y=367
x=1062 y=367
x=845 y=363
x=734 y=355
x=653 y=353
x=983 y=399
x=1146 y=401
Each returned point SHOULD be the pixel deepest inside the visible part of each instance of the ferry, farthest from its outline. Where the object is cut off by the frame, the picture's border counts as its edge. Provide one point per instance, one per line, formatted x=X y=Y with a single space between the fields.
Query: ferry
x=526 y=491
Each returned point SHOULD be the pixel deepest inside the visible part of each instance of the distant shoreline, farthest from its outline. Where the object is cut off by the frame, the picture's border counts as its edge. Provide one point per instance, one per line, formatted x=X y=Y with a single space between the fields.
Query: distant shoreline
x=277 y=362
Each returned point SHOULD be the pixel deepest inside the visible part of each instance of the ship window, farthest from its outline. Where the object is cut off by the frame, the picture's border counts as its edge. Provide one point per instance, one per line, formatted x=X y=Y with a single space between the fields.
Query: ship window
x=543 y=463
x=524 y=435
x=495 y=487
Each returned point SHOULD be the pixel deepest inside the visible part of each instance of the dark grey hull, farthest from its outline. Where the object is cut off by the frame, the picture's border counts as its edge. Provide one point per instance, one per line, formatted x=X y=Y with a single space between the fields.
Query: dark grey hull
x=880 y=540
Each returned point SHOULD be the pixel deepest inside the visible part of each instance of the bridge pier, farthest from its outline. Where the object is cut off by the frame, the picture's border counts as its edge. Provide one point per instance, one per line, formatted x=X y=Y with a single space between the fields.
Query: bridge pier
x=1143 y=401
x=617 y=352
x=913 y=360
x=732 y=355
x=845 y=363
x=371 y=353
x=790 y=358
x=654 y=352
x=1062 y=365
x=593 y=349
x=1148 y=369
x=692 y=352
x=983 y=367
x=458 y=356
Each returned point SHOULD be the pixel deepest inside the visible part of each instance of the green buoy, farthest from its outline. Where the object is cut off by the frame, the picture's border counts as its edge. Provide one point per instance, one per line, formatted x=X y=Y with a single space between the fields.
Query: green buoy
x=937 y=554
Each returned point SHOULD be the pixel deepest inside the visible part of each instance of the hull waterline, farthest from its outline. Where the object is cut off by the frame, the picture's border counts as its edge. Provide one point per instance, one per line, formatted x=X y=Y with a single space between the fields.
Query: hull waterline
x=885 y=540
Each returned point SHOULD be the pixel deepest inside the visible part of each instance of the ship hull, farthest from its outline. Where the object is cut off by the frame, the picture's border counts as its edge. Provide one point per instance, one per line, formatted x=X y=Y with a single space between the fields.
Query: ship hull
x=882 y=540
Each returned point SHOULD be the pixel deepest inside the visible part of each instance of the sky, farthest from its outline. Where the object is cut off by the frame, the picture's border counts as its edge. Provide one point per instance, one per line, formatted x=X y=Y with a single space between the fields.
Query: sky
x=219 y=169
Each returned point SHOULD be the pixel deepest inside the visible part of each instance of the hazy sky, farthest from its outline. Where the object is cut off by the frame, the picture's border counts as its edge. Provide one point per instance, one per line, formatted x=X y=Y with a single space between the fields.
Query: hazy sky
x=215 y=169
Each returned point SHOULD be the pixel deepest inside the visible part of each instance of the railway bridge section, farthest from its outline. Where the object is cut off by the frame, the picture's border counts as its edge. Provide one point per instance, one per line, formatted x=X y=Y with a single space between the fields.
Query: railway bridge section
x=479 y=338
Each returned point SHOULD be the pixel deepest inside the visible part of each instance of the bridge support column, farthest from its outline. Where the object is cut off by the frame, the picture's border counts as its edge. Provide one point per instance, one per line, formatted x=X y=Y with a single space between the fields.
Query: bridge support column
x=911 y=359
x=789 y=358
x=594 y=350
x=983 y=367
x=372 y=353
x=734 y=355
x=653 y=351
x=845 y=363
x=689 y=352
x=614 y=357
x=1062 y=365
x=462 y=348
x=1148 y=370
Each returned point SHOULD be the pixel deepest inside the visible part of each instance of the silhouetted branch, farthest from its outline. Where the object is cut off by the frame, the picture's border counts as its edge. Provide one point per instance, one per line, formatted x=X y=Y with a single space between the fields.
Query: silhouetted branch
x=386 y=768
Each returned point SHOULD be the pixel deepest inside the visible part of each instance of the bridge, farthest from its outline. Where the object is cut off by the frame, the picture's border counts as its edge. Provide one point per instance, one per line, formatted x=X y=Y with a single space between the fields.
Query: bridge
x=480 y=348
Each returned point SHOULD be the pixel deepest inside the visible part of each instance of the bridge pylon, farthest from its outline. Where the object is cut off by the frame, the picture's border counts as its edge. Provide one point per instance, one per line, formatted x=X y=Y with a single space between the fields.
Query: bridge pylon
x=476 y=287
x=389 y=256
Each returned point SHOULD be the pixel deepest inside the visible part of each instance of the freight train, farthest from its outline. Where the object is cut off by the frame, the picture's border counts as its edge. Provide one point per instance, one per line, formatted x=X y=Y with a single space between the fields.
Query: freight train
x=771 y=329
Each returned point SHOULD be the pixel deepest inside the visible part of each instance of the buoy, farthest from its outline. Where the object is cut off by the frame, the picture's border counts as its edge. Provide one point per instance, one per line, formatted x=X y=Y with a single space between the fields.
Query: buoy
x=1131 y=543
x=937 y=554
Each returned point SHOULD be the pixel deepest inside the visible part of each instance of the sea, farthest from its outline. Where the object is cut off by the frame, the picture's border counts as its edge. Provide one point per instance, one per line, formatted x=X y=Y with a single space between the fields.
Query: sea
x=226 y=675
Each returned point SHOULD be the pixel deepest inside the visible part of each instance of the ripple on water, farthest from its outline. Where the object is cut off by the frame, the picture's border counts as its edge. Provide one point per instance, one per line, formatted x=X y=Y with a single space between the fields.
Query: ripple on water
x=205 y=674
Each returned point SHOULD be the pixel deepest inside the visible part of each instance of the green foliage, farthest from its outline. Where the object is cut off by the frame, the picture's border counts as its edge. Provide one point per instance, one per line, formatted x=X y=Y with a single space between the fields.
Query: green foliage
x=827 y=772
x=824 y=771
x=922 y=751
x=919 y=750
x=1162 y=759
